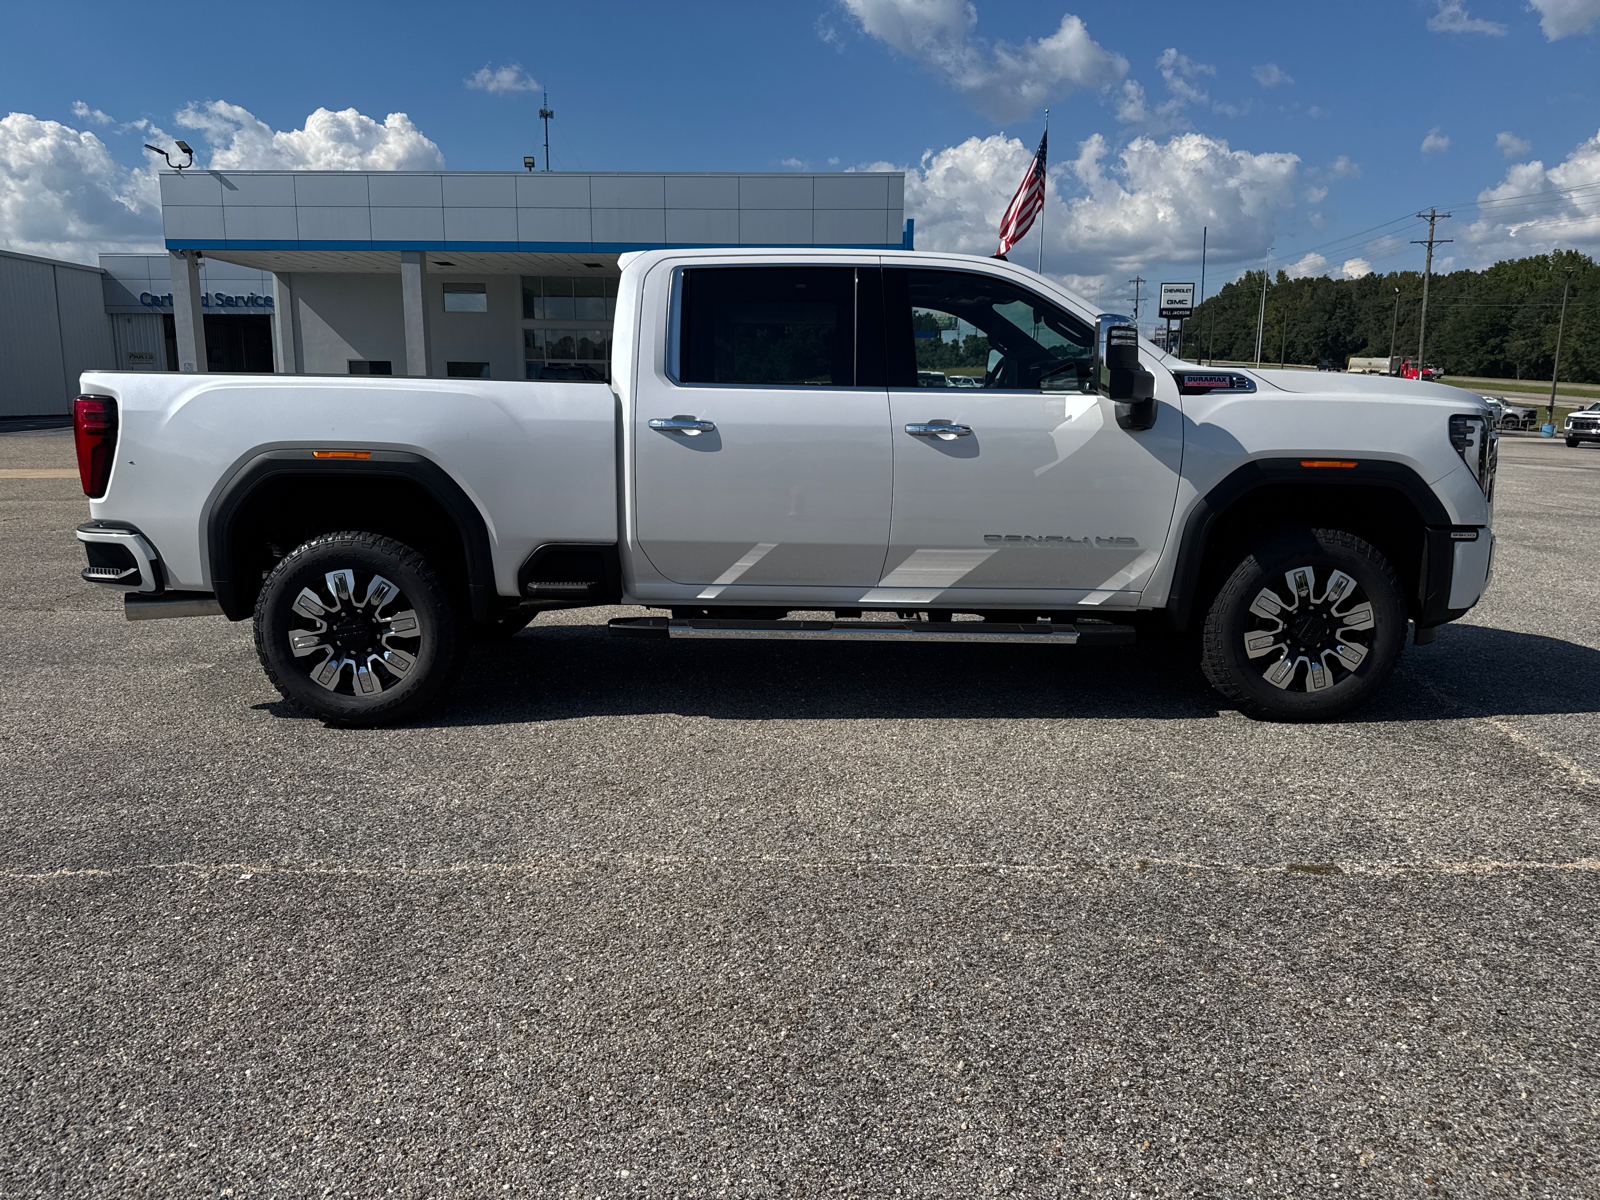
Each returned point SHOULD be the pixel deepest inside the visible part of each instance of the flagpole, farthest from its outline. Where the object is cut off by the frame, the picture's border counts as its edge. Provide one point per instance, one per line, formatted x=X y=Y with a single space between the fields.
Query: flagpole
x=1044 y=193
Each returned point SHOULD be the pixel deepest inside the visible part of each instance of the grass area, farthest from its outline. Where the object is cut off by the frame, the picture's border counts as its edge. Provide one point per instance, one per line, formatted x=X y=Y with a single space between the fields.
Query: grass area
x=1527 y=387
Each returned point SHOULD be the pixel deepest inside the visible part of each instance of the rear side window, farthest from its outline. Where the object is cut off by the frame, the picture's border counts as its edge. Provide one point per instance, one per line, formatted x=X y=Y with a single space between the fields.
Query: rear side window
x=774 y=326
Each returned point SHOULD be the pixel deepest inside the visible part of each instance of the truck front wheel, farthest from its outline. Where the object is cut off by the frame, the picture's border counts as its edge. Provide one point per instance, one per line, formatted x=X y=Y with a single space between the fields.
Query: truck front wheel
x=357 y=629
x=1307 y=627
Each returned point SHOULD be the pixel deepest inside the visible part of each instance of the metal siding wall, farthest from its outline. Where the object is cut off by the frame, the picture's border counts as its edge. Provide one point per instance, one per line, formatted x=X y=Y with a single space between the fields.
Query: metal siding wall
x=85 y=328
x=31 y=379
x=139 y=333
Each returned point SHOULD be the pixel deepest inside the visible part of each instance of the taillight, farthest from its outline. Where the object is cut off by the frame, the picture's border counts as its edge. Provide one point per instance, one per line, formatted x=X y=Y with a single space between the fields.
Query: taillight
x=94 y=430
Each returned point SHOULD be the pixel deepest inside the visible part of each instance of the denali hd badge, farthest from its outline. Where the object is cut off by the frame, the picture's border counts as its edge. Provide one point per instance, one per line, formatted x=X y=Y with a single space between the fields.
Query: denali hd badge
x=1028 y=539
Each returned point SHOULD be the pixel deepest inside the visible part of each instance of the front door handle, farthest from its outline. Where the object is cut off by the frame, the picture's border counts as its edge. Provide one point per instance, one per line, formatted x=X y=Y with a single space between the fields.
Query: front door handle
x=946 y=430
x=690 y=426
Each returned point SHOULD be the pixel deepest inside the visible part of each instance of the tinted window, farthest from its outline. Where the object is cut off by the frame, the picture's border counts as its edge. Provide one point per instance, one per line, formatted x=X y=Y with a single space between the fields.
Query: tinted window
x=961 y=329
x=768 y=325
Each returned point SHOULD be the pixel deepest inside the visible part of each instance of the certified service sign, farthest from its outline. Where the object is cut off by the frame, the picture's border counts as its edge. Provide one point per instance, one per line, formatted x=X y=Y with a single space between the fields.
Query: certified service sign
x=1177 y=300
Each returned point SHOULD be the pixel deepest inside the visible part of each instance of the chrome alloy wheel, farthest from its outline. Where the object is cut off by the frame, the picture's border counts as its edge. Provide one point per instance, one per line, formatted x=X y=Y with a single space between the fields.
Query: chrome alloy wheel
x=1329 y=634
x=359 y=634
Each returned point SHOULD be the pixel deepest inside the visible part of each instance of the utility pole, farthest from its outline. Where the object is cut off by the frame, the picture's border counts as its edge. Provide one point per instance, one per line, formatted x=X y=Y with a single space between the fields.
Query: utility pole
x=1138 y=281
x=1261 y=315
x=1204 y=230
x=1283 y=338
x=1422 y=326
x=1560 y=333
x=1394 y=328
x=545 y=113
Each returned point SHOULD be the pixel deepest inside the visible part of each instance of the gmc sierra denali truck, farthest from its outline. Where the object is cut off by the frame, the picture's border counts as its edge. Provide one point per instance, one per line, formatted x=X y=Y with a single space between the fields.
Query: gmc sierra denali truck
x=783 y=451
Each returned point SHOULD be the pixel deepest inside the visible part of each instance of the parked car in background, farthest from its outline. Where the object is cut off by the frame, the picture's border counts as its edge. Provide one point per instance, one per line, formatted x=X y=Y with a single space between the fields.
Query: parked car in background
x=965 y=381
x=1517 y=416
x=1326 y=365
x=1583 y=425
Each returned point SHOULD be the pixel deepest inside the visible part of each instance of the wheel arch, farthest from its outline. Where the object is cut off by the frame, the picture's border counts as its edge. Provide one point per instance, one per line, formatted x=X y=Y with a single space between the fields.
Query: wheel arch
x=1385 y=503
x=290 y=494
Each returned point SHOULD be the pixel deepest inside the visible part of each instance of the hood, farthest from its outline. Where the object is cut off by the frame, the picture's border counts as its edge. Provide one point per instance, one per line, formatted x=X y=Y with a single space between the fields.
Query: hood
x=1324 y=383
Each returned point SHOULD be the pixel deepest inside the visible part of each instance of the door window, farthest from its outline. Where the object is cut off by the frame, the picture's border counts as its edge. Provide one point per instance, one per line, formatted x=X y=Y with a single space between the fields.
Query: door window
x=962 y=329
x=771 y=326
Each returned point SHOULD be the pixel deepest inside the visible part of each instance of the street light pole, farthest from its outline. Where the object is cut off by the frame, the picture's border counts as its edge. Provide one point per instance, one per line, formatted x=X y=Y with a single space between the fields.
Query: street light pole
x=1261 y=315
x=1394 y=328
x=1560 y=333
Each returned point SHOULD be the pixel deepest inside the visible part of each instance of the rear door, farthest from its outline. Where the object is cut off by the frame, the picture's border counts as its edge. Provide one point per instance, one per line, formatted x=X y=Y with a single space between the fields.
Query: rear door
x=1033 y=485
x=762 y=452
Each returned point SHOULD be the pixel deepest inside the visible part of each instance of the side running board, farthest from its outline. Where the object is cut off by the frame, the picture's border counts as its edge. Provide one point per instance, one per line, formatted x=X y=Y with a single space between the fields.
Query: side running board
x=1033 y=633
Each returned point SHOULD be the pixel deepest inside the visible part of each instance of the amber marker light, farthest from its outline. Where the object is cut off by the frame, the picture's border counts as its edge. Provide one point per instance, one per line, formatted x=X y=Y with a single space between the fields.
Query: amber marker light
x=368 y=454
x=1326 y=462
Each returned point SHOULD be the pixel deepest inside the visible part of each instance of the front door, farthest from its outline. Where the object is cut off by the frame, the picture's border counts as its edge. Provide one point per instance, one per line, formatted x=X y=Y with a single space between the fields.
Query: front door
x=1010 y=472
x=762 y=457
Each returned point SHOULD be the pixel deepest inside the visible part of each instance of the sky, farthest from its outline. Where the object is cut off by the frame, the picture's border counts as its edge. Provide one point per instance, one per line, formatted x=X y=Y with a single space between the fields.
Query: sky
x=1302 y=135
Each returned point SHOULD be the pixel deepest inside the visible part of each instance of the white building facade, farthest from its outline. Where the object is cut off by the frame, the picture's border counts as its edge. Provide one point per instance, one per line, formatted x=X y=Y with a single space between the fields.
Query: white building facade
x=473 y=274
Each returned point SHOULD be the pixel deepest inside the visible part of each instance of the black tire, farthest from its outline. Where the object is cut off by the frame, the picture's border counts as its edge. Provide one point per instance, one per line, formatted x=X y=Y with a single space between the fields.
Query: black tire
x=1572 y=443
x=1355 y=660
x=407 y=663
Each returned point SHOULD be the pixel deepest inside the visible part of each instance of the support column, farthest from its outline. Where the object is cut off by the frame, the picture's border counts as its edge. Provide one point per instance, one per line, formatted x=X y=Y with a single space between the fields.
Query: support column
x=413 y=274
x=183 y=267
x=285 y=354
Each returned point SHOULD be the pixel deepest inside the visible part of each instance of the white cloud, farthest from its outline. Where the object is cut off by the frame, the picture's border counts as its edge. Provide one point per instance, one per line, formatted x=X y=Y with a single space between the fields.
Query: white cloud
x=1146 y=207
x=1356 y=268
x=1452 y=17
x=1311 y=264
x=1562 y=18
x=1316 y=195
x=500 y=81
x=1343 y=168
x=833 y=162
x=1534 y=209
x=794 y=164
x=1271 y=75
x=1180 y=71
x=62 y=195
x=330 y=141
x=1512 y=146
x=84 y=113
x=1002 y=81
x=1435 y=142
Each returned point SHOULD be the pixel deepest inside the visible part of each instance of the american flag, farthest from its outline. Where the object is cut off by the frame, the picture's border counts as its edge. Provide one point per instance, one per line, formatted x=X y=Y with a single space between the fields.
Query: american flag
x=1025 y=205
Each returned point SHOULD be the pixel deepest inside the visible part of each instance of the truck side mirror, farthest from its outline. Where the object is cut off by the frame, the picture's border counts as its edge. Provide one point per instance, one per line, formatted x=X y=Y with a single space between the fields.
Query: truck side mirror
x=1120 y=376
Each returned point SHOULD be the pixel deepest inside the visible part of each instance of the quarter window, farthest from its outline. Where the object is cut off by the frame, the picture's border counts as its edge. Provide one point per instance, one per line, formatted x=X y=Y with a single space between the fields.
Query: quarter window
x=774 y=326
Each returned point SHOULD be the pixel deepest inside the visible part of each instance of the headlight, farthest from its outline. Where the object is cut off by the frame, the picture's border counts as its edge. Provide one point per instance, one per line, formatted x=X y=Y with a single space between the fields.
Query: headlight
x=1479 y=447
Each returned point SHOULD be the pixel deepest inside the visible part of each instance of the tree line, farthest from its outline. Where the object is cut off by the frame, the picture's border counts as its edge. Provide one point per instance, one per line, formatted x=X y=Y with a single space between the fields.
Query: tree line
x=1500 y=322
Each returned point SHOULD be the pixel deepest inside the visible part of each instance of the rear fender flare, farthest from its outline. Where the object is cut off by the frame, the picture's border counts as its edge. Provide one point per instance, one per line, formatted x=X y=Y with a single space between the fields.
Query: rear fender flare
x=235 y=493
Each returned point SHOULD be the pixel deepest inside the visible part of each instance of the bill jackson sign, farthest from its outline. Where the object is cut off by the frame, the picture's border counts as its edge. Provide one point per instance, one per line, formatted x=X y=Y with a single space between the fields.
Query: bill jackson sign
x=208 y=300
x=1177 y=300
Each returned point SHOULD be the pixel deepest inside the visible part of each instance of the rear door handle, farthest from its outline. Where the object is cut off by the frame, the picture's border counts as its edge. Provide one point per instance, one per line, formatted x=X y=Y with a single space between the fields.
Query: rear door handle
x=691 y=426
x=940 y=429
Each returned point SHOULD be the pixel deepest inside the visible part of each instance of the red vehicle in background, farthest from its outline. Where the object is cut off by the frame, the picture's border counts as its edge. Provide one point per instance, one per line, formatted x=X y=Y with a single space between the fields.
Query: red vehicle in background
x=1410 y=369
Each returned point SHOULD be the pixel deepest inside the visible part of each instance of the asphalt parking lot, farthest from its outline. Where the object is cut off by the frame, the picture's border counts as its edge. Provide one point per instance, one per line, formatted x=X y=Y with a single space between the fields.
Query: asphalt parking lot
x=646 y=919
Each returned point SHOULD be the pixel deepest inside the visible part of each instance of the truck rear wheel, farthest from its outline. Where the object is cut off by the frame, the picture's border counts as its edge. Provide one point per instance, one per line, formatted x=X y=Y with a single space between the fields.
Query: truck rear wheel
x=1306 y=628
x=357 y=629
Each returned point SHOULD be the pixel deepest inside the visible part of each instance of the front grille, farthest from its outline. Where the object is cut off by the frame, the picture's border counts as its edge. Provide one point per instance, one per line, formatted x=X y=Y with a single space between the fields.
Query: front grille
x=1586 y=423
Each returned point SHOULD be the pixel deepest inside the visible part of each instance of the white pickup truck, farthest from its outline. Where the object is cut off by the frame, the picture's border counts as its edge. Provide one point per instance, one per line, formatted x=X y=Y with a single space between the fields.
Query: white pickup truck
x=767 y=449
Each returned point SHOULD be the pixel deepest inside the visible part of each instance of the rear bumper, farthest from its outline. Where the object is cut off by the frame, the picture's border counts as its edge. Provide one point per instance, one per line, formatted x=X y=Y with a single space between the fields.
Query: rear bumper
x=120 y=558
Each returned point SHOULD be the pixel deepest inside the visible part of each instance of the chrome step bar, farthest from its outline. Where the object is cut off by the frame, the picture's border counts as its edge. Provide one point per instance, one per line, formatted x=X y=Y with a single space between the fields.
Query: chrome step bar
x=1033 y=633
x=170 y=604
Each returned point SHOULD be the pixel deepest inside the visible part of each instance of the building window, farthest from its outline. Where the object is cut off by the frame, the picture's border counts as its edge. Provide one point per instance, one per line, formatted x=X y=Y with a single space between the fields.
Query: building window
x=375 y=366
x=466 y=370
x=466 y=297
x=567 y=353
x=564 y=298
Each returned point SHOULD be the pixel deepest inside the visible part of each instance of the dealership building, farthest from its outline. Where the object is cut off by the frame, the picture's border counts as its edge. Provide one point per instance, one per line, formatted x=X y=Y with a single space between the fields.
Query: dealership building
x=464 y=274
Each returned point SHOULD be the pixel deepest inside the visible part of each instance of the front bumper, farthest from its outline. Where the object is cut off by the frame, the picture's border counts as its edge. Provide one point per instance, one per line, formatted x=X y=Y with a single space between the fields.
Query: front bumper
x=1456 y=565
x=1586 y=434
